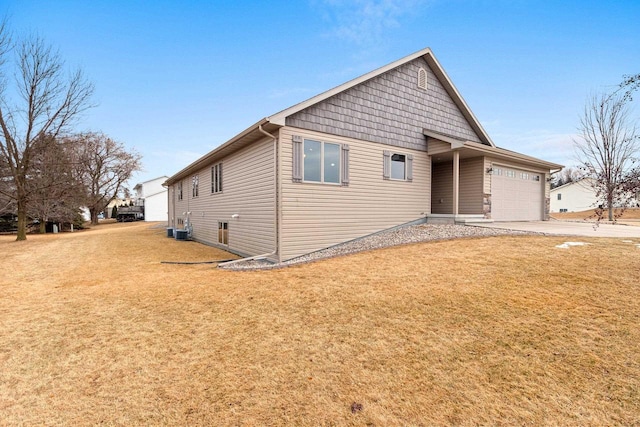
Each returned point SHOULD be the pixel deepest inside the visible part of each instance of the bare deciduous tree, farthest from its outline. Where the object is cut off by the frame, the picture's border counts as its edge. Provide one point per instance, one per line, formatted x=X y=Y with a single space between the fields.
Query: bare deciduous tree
x=630 y=84
x=105 y=167
x=46 y=103
x=566 y=176
x=606 y=149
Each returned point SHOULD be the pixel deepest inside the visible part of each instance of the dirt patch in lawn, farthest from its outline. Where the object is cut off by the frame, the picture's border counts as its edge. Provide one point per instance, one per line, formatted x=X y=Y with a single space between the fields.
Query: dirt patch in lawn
x=500 y=330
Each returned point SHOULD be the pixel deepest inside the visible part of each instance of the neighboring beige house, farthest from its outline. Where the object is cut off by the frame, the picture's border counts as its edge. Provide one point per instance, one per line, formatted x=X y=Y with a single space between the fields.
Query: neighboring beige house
x=153 y=196
x=394 y=146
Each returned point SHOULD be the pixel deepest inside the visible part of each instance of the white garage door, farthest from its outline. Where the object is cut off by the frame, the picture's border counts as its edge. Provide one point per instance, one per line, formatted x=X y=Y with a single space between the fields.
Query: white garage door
x=516 y=195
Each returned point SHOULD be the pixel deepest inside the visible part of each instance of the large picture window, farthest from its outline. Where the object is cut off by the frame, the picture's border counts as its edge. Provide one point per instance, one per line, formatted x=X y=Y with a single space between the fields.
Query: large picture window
x=321 y=162
x=216 y=178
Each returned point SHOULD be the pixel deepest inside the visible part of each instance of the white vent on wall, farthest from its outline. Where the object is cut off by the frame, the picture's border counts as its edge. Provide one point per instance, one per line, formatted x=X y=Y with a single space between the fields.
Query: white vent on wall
x=422 y=78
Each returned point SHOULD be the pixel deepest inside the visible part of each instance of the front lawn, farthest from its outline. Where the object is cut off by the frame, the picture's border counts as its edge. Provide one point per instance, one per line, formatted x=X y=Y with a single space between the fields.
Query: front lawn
x=500 y=330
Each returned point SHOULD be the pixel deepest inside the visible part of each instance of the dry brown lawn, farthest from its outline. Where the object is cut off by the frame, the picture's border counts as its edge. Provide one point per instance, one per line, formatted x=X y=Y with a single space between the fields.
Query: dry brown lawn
x=492 y=331
x=632 y=215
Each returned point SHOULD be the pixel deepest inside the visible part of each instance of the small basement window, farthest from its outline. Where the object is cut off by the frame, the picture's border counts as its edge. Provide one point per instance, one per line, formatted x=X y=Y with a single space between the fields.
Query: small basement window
x=223 y=232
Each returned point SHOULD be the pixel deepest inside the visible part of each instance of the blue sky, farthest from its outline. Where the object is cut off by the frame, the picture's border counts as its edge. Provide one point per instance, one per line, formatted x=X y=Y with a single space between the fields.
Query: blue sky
x=175 y=79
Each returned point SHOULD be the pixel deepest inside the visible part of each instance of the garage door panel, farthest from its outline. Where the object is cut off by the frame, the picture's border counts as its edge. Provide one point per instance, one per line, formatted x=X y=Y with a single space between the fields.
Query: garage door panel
x=516 y=195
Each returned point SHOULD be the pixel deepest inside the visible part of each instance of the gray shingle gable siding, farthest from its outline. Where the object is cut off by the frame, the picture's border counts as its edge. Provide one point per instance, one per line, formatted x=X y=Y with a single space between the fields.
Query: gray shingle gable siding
x=388 y=109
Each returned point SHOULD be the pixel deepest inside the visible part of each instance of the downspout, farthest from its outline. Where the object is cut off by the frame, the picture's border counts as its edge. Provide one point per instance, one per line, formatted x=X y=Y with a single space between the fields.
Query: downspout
x=276 y=180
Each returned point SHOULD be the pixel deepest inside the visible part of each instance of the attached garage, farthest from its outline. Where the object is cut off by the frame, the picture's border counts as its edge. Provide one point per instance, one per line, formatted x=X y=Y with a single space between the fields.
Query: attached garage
x=516 y=194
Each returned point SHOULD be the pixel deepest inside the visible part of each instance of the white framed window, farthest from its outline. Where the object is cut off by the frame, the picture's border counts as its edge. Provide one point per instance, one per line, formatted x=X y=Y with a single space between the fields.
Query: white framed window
x=223 y=232
x=559 y=196
x=321 y=162
x=180 y=190
x=397 y=166
x=194 y=186
x=216 y=178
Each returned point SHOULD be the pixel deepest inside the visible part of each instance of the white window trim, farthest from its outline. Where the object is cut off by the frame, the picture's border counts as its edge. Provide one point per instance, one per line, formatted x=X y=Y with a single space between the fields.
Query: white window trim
x=216 y=178
x=322 y=181
x=220 y=223
x=195 y=186
x=408 y=169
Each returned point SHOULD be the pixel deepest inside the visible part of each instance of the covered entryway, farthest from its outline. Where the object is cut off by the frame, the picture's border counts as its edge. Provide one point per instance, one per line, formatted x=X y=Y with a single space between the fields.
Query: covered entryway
x=516 y=195
x=474 y=182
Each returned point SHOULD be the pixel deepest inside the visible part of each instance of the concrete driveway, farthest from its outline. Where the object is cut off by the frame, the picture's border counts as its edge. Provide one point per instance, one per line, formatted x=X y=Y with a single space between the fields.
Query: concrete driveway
x=569 y=228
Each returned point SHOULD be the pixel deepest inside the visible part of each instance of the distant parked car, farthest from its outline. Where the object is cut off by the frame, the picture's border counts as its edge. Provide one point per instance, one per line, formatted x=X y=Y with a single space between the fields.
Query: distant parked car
x=101 y=215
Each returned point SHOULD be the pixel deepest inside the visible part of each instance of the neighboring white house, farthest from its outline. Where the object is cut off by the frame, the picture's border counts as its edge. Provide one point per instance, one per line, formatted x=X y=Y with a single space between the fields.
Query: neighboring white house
x=575 y=196
x=153 y=196
x=578 y=196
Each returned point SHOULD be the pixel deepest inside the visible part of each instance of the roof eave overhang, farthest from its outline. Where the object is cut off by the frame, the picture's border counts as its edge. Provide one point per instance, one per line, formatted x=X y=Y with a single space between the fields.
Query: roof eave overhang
x=512 y=155
x=461 y=144
x=241 y=140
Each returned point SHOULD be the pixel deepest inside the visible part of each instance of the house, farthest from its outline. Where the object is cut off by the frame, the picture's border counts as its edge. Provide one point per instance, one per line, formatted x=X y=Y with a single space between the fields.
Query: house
x=576 y=196
x=153 y=196
x=397 y=145
x=579 y=196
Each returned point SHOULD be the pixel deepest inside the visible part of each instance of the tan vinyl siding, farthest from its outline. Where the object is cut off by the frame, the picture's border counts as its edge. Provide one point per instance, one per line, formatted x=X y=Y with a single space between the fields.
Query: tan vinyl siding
x=435 y=147
x=248 y=190
x=470 y=188
x=442 y=188
x=178 y=207
x=315 y=216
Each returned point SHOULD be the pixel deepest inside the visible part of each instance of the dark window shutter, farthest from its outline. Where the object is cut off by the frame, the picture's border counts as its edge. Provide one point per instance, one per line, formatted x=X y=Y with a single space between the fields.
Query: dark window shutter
x=297 y=158
x=386 y=167
x=345 y=165
x=409 y=167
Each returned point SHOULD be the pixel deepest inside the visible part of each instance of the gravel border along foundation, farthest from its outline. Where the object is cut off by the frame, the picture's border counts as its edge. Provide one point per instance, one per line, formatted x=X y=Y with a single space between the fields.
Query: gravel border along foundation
x=393 y=237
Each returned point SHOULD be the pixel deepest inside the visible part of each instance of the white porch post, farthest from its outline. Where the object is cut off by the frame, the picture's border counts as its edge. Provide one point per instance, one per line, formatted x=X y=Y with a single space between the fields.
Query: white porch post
x=456 y=181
